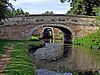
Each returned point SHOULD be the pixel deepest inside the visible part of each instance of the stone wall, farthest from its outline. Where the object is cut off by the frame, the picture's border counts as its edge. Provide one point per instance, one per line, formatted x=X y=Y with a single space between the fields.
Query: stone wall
x=22 y=32
x=15 y=32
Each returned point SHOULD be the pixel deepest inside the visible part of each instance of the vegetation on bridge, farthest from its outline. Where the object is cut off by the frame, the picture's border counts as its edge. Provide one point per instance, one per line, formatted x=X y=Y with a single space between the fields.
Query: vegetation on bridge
x=92 y=41
x=21 y=63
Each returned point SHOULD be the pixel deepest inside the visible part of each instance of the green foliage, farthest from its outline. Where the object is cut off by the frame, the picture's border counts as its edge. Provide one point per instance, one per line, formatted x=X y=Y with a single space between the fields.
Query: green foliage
x=4 y=8
x=97 y=17
x=7 y=10
x=84 y=7
x=48 y=13
x=97 y=11
x=3 y=47
x=34 y=38
x=16 y=12
x=92 y=41
x=20 y=63
x=77 y=8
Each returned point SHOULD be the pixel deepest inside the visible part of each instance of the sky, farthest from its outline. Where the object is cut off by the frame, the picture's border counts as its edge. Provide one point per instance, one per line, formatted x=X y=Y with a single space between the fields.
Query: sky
x=41 y=6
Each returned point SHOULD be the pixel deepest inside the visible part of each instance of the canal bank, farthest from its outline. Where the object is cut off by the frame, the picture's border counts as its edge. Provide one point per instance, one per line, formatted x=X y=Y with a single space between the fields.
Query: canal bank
x=20 y=62
x=76 y=62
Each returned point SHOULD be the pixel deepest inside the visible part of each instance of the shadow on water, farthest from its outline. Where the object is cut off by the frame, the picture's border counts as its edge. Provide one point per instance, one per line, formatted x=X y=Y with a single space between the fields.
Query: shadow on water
x=48 y=40
x=68 y=60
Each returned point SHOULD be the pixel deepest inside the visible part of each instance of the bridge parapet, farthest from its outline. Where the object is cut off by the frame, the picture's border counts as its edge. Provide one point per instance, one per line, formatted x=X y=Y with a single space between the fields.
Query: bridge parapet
x=51 y=19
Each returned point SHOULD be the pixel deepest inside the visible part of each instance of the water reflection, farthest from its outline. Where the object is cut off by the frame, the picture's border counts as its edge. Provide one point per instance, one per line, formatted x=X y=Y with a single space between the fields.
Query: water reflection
x=67 y=50
x=84 y=59
x=75 y=58
x=50 y=40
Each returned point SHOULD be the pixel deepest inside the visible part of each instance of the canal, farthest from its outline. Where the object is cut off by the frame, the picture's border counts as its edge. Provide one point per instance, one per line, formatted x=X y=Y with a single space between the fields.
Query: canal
x=58 y=58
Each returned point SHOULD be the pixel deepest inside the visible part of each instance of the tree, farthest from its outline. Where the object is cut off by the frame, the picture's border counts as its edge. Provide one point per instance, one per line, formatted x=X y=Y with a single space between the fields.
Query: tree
x=97 y=11
x=48 y=12
x=85 y=7
x=89 y=5
x=4 y=8
x=77 y=8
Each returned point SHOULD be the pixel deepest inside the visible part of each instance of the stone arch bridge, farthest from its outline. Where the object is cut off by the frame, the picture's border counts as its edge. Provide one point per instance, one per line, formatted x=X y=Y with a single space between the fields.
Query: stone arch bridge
x=22 y=27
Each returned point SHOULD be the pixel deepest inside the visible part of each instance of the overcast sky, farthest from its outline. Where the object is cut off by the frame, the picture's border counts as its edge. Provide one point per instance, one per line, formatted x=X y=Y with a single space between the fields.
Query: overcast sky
x=40 y=6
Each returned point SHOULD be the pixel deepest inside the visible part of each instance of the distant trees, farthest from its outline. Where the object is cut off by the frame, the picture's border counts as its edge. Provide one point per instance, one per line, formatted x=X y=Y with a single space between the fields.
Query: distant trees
x=86 y=7
x=16 y=12
x=48 y=12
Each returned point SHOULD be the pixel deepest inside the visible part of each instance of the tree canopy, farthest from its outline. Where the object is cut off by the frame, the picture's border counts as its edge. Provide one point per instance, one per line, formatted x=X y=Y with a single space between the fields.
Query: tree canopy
x=7 y=10
x=86 y=7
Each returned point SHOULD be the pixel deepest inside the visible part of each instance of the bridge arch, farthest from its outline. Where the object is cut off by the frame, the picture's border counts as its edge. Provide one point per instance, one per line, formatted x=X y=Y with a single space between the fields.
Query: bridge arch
x=66 y=30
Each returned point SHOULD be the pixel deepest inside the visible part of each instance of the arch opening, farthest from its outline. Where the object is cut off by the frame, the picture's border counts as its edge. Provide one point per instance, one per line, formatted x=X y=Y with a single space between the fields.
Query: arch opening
x=48 y=31
x=67 y=34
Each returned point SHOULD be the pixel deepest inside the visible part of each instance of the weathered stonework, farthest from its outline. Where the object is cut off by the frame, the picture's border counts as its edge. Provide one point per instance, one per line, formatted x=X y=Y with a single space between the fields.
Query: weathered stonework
x=22 y=28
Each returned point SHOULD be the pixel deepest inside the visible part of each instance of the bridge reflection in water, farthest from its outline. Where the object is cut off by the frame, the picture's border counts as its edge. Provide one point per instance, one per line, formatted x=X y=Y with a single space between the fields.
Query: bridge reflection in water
x=74 y=59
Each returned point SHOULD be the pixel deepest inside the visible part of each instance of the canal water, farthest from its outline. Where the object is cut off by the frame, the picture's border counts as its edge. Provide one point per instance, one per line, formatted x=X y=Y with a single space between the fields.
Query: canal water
x=64 y=59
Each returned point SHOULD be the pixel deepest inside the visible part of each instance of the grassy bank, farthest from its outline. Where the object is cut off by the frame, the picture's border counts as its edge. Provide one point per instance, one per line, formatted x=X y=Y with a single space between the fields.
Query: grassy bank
x=92 y=41
x=3 y=47
x=21 y=63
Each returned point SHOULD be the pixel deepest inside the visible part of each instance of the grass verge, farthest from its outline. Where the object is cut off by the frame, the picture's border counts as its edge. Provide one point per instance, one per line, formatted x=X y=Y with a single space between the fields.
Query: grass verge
x=3 y=47
x=21 y=63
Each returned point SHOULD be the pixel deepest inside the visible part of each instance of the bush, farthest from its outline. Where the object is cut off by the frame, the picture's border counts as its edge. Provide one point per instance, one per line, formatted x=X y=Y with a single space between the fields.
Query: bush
x=92 y=41
x=34 y=38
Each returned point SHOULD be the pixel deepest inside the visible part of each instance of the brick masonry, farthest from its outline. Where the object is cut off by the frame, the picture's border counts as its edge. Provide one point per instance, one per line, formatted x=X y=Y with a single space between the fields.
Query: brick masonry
x=21 y=28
